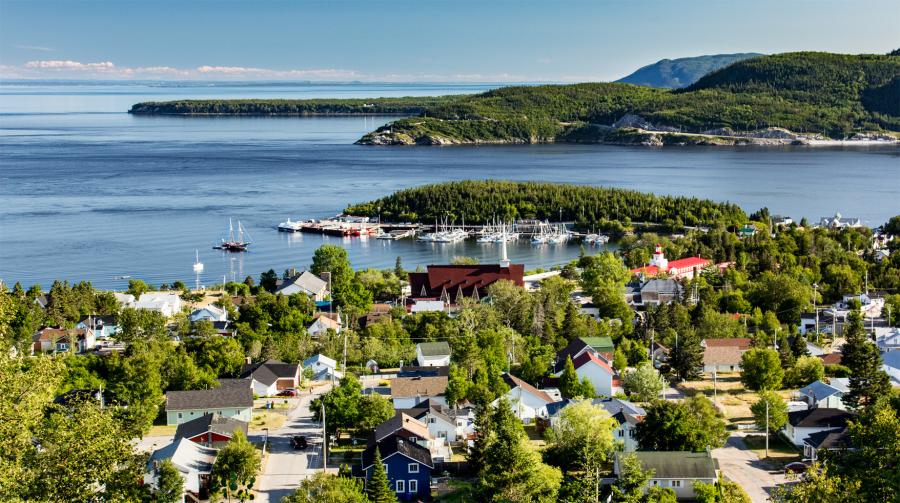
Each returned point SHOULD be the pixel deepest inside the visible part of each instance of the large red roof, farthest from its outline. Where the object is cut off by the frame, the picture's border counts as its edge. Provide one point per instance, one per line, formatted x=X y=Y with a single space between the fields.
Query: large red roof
x=589 y=356
x=468 y=278
x=689 y=262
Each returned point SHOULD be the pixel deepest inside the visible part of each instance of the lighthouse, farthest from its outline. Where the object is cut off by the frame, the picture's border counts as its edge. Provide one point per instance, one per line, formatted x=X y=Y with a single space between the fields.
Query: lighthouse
x=659 y=259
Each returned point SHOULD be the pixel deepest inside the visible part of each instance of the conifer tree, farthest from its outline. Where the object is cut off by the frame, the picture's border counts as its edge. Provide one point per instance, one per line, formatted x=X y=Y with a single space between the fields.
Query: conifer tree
x=785 y=352
x=798 y=346
x=378 y=488
x=569 y=384
x=868 y=382
x=686 y=357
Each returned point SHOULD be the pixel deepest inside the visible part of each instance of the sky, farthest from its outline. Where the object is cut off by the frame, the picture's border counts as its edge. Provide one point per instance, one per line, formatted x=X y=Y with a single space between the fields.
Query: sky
x=416 y=40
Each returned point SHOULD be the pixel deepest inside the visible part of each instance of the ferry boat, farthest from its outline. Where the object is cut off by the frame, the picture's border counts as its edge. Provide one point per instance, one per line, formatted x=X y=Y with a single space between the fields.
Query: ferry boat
x=291 y=226
x=233 y=244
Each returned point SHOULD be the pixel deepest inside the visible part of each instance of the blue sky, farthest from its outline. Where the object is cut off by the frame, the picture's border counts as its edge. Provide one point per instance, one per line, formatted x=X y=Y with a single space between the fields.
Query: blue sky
x=423 y=40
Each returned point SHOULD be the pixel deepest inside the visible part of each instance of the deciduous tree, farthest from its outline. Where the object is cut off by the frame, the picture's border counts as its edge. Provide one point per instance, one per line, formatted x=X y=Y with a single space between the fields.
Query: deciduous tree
x=761 y=369
x=644 y=383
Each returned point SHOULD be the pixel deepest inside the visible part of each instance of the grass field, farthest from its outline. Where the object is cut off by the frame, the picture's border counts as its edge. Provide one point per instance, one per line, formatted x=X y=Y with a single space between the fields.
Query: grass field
x=270 y=420
x=161 y=430
x=781 y=452
x=730 y=395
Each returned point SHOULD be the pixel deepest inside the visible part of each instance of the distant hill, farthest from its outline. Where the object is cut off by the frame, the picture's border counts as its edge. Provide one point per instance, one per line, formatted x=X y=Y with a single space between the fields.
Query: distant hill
x=682 y=72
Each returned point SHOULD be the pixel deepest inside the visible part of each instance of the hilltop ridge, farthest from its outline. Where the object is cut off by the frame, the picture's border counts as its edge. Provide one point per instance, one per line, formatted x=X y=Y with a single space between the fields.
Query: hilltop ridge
x=682 y=72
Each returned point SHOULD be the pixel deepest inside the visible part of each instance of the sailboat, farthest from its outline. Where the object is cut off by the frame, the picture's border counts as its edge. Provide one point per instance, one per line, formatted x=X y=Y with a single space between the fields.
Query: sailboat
x=233 y=244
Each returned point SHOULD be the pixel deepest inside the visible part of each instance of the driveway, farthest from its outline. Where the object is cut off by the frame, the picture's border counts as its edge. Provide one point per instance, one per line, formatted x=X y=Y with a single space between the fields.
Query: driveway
x=739 y=464
x=286 y=467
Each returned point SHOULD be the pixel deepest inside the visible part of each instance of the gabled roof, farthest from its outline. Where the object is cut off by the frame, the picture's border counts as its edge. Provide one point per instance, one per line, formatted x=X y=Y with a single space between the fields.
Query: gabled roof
x=574 y=347
x=96 y=322
x=441 y=348
x=838 y=438
x=214 y=423
x=622 y=411
x=326 y=321
x=394 y=445
x=223 y=396
x=467 y=278
x=306 y=282
x=722 y=355
x=591 y=357
x=832 y=358
x=269 y=371
x=742 y=343
x=819 y=417
x=514 y=382
x=399 y=422
x=319 y=358
x=819 y=390
x=677 y=464
x=409 y=387
x=187 y=456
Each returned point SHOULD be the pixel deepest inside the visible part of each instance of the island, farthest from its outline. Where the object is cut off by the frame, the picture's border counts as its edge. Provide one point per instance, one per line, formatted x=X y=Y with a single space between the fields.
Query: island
x=793 y=98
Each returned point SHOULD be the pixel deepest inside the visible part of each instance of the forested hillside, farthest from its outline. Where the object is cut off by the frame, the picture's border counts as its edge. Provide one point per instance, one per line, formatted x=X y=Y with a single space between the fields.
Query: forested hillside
x=681 y=72
x=396 y=106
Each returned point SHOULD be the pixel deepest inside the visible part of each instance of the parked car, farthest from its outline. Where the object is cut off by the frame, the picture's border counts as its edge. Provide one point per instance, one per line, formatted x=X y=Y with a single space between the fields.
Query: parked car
x=796 y=467
x=298 y=442
x=288 y=392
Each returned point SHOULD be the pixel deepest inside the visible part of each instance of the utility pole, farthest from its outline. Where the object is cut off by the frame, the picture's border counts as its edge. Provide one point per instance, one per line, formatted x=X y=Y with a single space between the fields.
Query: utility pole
x=344 y=362
x=324 y=442
x=816 y=308
x=767 y=428
x=715 y=390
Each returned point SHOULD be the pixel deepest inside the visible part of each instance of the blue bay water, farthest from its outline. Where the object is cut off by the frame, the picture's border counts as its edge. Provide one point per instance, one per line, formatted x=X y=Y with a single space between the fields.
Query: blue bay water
x=90 y=192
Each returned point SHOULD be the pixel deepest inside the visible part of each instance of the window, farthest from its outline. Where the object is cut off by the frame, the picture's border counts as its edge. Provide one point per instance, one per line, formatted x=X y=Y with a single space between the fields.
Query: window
x=401 y=486
x=675 y=483
x=385 y=467
x=413 y=486
x=654 y=482
x=431 y=420
x=179 y=415
x=413 y=468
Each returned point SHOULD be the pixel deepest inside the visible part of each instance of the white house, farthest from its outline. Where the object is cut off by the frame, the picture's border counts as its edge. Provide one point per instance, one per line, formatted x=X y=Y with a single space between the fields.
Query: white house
x=226 y=400
x=209 y=313
x=323 y=368
x=271 y=376
x=428 y=306
x=191 y=459
x=825 y=395
x=322 y=323
x=442 y=422
x=527 y=402
x=306 y=283
x=829 y=440
x=839 y=222
x=627 y=415
x=433 y=354
x=803 y=423
x=890 y=363
x=596 y=370
x=887 y=339
x=102 y=327
x=167 y=303
x=676 y=470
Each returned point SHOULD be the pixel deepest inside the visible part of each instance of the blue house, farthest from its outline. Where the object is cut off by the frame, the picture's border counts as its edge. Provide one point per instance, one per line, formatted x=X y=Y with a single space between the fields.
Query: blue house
x=408 y=466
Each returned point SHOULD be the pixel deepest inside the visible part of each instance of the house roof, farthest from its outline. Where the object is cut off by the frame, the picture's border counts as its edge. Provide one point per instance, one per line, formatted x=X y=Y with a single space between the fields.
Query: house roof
x=832 y=358
x=223 y=396
x=319 y=358
x=417 y=371
x=622 y=411
x=819 y=417
x=187 y=456
x=838 y=438
x=306 y=282
x=399 y=422
x=677 y=464
x=819 y=390
x=96 y=322
x=441 y=348
x=743 y=343
x=392 y=445
x=467 y=278
x=408 y=387
x=664 y=286
x=591 y=357
x=269 y=371
x=600 y=344
x=214 y=423
x=722 y=355
x=514 y=382
x=326 y=321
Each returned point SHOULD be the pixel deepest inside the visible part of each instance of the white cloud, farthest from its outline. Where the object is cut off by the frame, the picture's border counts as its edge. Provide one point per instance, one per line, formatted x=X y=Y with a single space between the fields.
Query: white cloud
x=40 y=48
x=107 y=70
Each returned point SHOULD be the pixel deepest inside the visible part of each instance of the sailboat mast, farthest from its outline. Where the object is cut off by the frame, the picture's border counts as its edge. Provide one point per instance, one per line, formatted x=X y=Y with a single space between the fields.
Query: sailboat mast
x=230 y=230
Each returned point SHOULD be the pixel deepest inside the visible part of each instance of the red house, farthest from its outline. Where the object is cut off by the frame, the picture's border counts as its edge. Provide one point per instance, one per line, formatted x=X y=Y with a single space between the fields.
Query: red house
x=210 y=430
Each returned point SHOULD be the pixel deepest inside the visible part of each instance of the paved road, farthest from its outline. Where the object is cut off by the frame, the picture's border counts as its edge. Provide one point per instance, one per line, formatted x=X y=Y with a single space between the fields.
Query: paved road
x=286 y=467
x=742 y=466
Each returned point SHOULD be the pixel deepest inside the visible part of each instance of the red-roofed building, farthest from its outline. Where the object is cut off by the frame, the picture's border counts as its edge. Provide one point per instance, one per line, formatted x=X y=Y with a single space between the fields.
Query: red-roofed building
x=678 y=269
x=596 y=370
x=451 y=283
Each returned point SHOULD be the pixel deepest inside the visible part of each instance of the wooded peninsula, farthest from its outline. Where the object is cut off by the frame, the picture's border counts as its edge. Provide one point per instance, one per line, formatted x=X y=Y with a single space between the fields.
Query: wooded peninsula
x=787 y=98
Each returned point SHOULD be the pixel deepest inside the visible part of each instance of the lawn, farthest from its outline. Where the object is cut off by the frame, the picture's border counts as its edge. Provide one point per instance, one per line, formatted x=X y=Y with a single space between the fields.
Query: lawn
x=161 y=430
x=270 y=420
x=781 y=452
x=730 y=395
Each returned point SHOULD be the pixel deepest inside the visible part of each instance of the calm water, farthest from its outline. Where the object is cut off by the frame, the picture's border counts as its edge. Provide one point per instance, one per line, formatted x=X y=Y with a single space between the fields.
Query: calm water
x=89 y=192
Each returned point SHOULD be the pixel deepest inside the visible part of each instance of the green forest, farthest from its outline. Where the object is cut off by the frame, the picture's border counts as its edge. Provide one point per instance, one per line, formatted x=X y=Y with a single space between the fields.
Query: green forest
x=386 y=106
x=481 y=201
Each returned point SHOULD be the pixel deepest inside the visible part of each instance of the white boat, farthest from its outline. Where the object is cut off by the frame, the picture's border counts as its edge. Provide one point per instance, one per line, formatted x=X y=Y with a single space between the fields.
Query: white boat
x=290 y=226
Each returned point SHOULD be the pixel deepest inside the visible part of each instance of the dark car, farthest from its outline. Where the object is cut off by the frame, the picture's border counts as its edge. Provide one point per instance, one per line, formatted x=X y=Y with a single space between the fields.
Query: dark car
x=288 y=392
x=298 y=442
x=796 y=467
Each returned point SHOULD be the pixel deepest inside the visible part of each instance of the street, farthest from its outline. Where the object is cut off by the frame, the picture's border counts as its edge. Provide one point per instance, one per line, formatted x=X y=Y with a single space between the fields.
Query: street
x=741 y=465
x=286 y=467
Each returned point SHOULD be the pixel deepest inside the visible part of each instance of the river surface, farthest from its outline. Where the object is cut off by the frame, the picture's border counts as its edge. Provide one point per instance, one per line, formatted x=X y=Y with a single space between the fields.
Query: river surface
x=90 y=192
